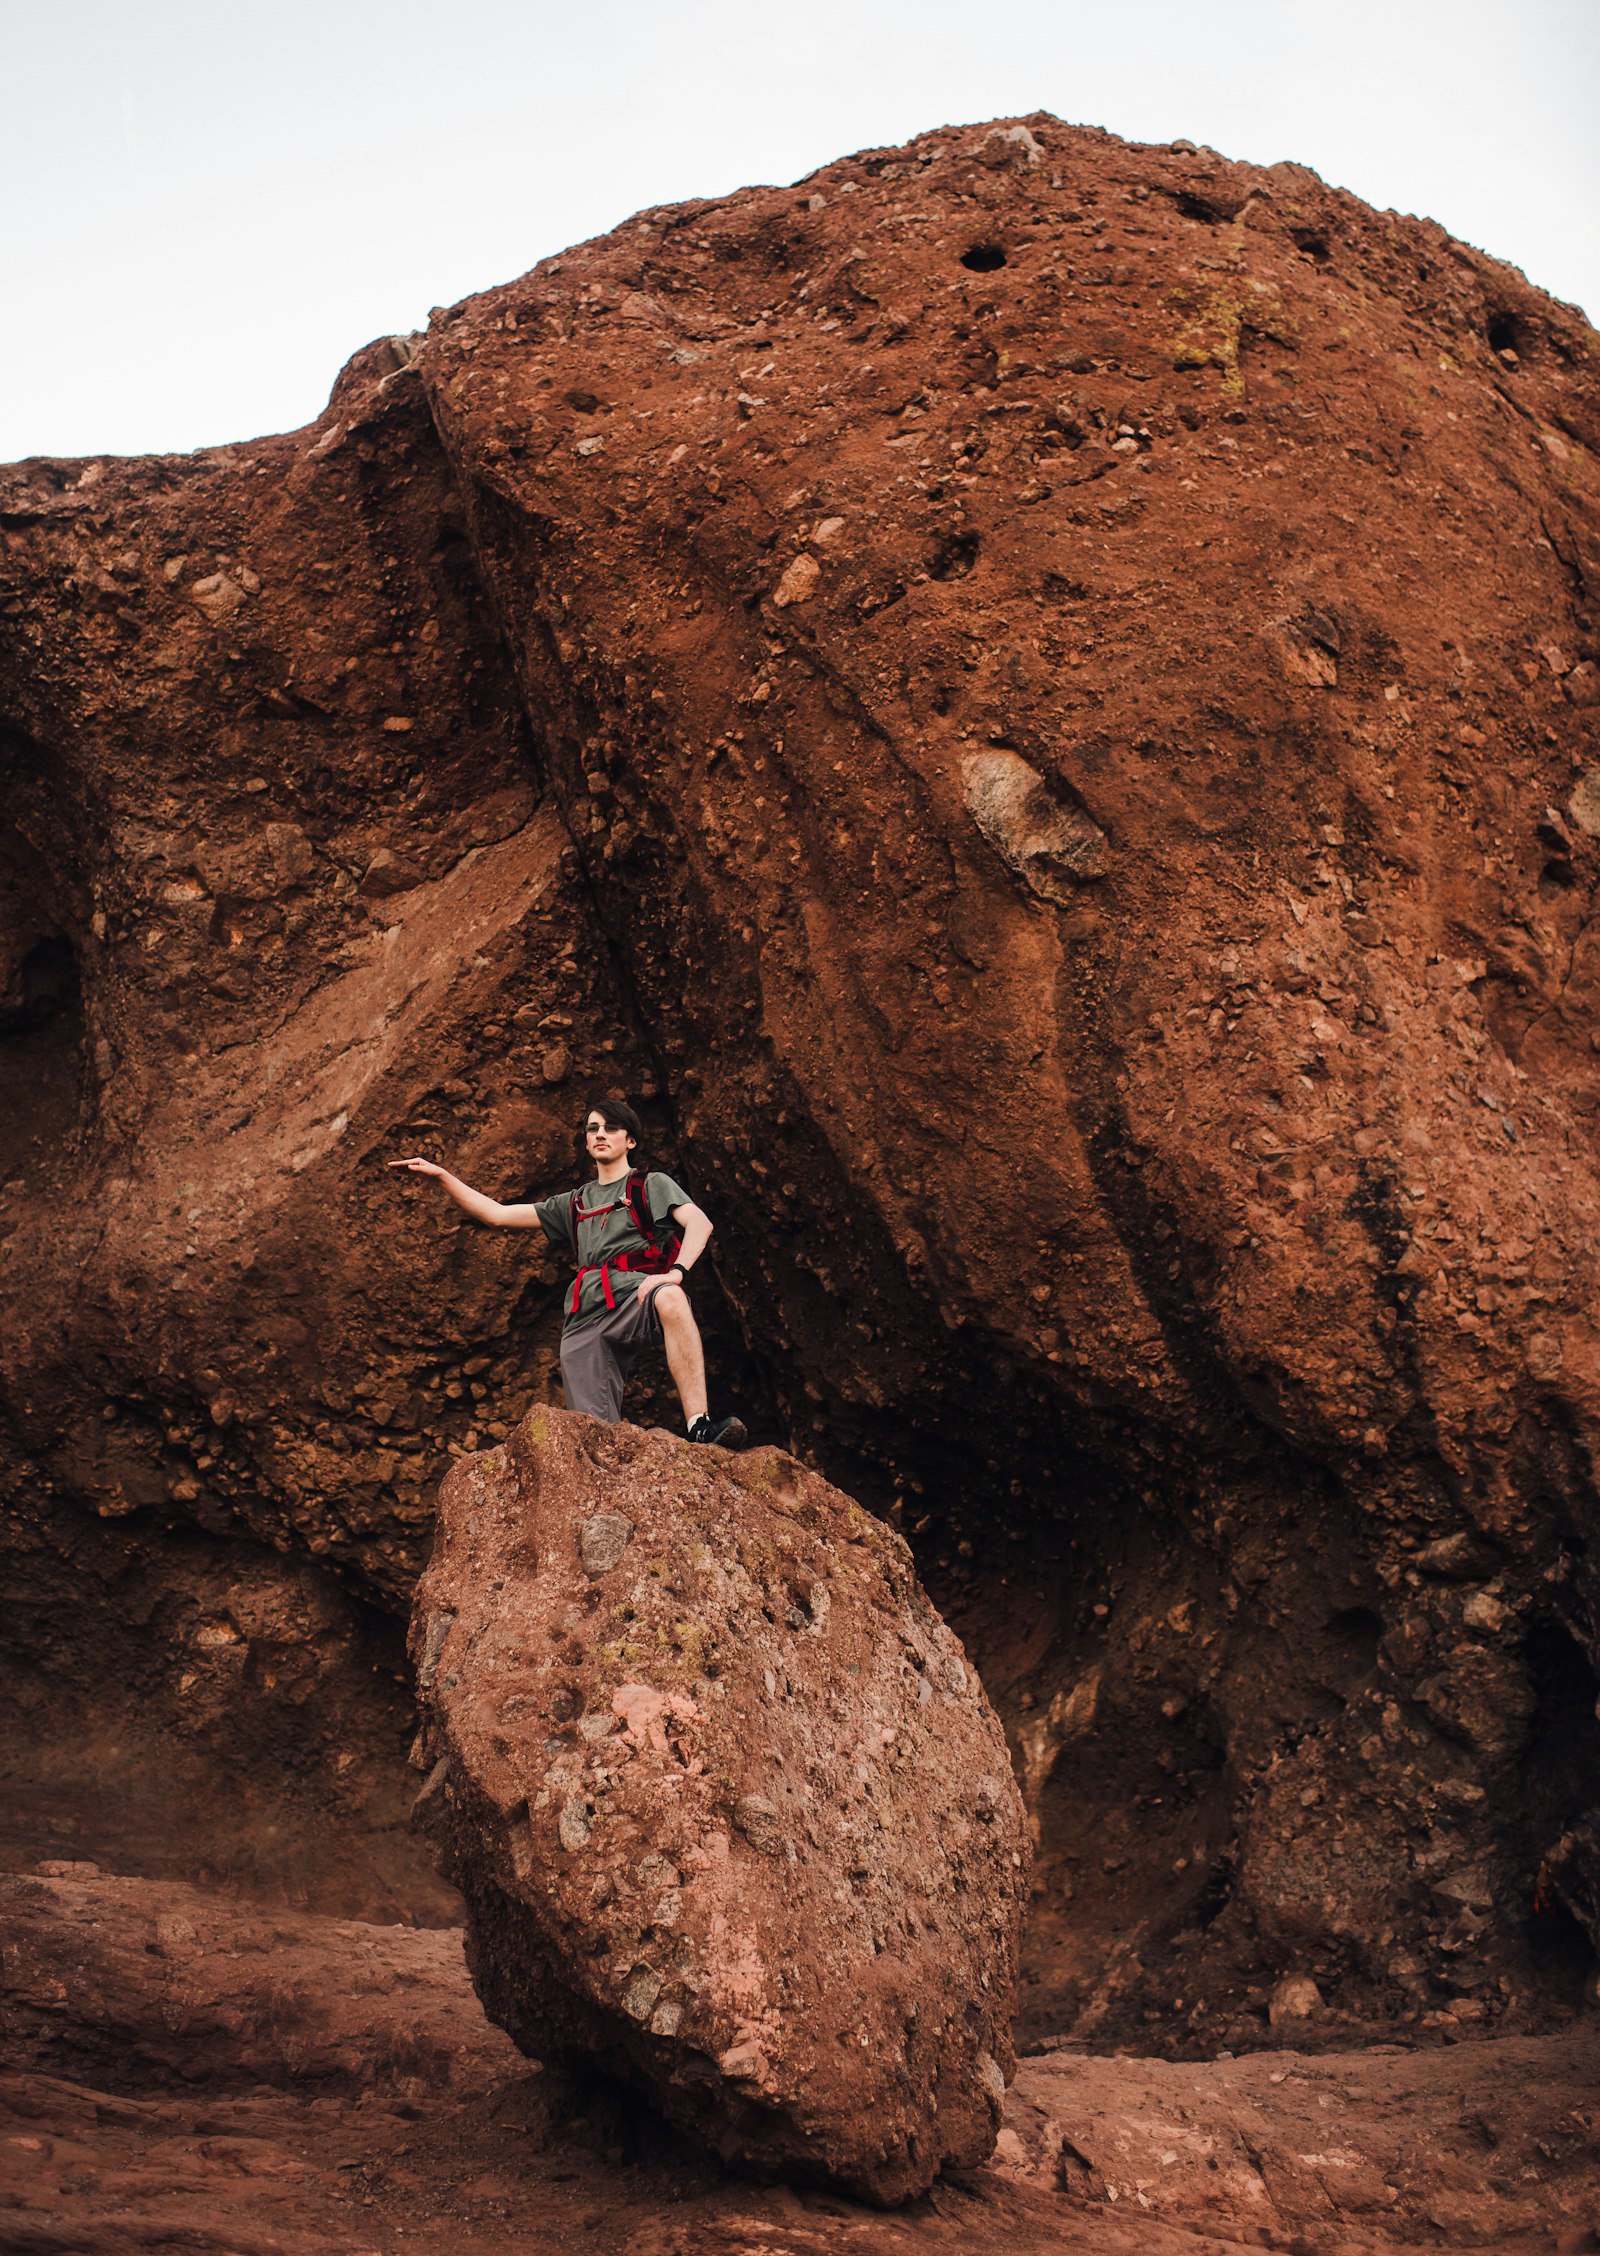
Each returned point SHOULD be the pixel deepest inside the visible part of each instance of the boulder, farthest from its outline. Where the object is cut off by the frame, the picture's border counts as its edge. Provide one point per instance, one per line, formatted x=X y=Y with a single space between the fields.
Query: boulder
x=728 y=1806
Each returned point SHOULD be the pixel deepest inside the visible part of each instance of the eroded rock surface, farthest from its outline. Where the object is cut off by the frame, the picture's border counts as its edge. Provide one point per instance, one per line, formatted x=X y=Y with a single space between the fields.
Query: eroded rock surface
x=144 y=1984
x=183 y=1705
x=1107 y=638
x=1485 y=2145
x=727 y=1804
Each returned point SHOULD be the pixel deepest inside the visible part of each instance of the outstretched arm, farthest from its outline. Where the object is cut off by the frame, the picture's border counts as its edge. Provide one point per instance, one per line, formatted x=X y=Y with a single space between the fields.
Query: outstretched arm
x=480 y=1208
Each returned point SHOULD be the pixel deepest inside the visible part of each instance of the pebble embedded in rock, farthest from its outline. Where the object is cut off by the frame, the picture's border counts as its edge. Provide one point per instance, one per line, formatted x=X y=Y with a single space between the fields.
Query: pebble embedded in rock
x=602 y=1539
x=386 y=874
x=1050 y=841
x=1295 y=2000
x=799 y=582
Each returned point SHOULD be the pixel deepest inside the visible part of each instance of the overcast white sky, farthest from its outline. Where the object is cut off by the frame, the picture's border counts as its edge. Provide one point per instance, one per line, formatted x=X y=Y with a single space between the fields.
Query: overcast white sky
x=209 y=206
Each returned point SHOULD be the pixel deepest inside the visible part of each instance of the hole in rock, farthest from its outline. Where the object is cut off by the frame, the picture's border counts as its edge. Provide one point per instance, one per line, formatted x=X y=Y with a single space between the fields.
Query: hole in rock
x=1506 y=333
x=1310 y=244
x=45 y=983
x=1215 y=1895
x=1559 y=1769
x=1564 y=1733
x=954 y=557
x=983 y=258
x=1561 y=1949
x=1355 y=1632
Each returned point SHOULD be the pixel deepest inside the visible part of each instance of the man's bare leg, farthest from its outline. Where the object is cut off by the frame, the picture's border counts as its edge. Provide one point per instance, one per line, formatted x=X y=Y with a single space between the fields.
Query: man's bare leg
x=685 y=1356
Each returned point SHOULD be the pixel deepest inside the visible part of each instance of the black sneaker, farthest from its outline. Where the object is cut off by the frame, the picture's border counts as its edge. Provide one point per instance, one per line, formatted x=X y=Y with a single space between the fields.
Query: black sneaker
x=725 y=1433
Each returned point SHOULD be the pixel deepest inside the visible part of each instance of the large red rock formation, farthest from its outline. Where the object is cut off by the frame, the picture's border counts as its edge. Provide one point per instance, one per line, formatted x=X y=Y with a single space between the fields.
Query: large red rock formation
x=1039 y=698
x=281 y=897
x=728 y=1807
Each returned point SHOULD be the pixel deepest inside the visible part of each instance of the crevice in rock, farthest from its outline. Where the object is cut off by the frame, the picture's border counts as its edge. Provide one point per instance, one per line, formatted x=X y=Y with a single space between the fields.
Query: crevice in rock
x=46 y=1078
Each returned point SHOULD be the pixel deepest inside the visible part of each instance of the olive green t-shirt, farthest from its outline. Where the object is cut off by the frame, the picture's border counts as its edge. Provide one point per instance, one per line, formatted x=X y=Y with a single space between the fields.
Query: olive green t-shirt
x=605 y=1228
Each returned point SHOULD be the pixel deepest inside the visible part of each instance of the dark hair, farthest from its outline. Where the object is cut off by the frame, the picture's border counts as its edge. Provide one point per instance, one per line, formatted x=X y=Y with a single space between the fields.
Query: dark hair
x=615 y=1115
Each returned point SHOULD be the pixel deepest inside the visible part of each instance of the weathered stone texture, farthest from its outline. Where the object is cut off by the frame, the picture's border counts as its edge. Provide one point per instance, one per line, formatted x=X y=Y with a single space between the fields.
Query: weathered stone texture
x=727 y=1804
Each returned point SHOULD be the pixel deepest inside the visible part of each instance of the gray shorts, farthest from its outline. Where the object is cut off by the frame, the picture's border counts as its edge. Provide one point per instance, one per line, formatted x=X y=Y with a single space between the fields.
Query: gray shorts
x=597 y=1356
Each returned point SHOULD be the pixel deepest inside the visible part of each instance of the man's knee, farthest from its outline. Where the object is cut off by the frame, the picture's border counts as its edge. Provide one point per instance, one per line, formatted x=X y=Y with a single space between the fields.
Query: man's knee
x=672 y=1303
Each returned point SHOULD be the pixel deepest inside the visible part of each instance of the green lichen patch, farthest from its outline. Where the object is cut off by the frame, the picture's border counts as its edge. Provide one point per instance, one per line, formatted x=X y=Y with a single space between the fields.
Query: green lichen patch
x=685 y=1644
x=757 y=1469
x=1217 y=320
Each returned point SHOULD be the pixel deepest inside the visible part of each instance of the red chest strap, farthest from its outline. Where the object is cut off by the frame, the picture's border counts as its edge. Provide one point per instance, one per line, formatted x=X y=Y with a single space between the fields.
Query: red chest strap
x=655 y=1259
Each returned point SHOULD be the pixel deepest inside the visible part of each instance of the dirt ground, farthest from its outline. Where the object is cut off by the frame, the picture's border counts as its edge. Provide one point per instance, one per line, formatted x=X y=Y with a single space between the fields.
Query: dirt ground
x=197 y=2071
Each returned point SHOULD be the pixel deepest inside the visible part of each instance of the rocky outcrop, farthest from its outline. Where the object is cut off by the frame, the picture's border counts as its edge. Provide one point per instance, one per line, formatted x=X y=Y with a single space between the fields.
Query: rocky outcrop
x=1327 y=2149
x=1114 y=636
x=1037 y=697
x=180 y=1705
x=281 y=897
x=151 y=1985
x=728 y=1807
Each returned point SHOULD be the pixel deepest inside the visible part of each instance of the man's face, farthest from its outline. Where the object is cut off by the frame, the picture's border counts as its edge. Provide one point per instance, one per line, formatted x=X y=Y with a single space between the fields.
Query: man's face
x=604 y=1141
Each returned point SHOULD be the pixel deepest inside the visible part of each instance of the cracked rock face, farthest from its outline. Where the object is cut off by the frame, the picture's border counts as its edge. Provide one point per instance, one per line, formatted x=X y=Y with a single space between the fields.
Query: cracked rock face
x=280 y=899
x=727 y=1804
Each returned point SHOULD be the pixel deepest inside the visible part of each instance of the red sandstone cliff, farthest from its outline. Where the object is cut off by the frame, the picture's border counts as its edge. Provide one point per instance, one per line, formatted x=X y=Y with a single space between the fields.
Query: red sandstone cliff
x=1037 y=699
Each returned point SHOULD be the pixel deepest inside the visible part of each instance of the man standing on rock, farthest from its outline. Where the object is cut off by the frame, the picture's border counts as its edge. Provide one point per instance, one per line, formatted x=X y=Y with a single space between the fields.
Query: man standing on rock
x=632 y=1238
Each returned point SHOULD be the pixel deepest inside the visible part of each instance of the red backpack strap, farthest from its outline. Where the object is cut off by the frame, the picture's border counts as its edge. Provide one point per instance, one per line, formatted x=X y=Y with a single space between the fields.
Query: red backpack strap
x=638 y=1203
x=635 y=1197
x=574 y=1206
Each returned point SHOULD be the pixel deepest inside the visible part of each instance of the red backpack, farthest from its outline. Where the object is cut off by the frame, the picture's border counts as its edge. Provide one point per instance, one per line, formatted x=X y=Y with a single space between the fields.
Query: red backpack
x=663 y=1239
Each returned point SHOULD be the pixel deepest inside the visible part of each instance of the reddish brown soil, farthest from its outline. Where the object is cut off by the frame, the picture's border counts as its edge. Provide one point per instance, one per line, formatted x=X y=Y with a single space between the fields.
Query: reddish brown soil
x=366 y=2106
x=1035 y=701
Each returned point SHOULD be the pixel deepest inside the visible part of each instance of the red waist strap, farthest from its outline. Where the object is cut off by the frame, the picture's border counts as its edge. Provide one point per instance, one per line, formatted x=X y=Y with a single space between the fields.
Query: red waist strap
x=655 y=1259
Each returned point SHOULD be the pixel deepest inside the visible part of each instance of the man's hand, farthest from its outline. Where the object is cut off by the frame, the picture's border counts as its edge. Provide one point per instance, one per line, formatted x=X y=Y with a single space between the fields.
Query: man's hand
x=521 y=1216
x=653 y=1284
